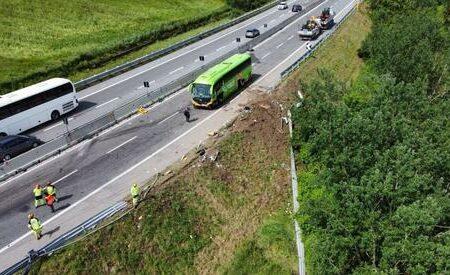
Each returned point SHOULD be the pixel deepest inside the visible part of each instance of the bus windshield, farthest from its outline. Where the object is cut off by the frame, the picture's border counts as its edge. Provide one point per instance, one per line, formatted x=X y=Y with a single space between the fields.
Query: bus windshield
x=201 y=91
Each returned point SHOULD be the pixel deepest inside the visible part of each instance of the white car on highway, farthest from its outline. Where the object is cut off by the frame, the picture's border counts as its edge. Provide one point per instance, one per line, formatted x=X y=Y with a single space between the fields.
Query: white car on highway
x=282 y=5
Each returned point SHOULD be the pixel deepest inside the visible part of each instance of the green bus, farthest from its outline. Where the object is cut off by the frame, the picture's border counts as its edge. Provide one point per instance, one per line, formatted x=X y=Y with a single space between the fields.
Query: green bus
x=221 y=81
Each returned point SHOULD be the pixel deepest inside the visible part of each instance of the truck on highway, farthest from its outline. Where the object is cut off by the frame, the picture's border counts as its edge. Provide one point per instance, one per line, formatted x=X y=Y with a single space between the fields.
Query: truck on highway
x=326 y=18
x=310 y=30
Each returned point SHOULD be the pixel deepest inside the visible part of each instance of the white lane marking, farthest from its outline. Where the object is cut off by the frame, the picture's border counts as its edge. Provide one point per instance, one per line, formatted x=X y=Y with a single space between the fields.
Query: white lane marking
x=166 y=100
x=175 y=57
x=120 y=145
x=107 y=102
x=266 y=55
x=140 y=87
x=219 y=49
x=56 y=125
x=176 y=70
x=66 y=176
x=51 y=127
x=295 y=52
x=281 y=15
x=167 y=118
x=280 y=45
x=290 y=37
x=288 y=26
x=271 y=21
x=113 y=180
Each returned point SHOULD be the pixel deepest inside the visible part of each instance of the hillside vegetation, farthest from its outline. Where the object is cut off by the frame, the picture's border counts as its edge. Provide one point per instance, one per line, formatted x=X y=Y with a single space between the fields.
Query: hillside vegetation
x=40 y=39
x=229 y=217
x=375 y=152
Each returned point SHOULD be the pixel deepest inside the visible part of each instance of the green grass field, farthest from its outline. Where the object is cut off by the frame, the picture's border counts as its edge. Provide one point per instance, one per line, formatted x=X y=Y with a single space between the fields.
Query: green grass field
x=230 y=217
x=40 y=36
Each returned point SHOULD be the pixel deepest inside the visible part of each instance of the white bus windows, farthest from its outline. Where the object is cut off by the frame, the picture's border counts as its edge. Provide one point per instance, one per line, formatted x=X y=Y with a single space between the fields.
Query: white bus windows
x=36 y=104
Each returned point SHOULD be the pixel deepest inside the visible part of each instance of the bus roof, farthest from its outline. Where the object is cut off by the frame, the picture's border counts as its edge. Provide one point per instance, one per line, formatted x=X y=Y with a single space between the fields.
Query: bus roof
x=219 y=70
x=31 y=90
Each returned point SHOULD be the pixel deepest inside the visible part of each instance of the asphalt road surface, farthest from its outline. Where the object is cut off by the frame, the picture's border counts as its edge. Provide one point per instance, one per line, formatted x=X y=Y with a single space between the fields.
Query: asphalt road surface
x=108 y=95
x=85 y=167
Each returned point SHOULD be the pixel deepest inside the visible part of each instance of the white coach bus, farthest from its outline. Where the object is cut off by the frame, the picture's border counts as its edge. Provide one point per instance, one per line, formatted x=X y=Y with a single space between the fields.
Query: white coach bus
x=31 y=106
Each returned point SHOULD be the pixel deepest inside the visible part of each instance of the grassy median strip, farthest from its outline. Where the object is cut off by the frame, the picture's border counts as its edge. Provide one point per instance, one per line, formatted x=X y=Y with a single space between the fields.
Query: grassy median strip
x=47 y=38
x=232 y=215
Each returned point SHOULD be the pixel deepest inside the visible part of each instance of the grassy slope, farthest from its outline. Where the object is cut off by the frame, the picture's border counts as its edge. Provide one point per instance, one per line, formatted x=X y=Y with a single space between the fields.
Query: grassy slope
x=38 y=35
x=195 y=221
x=262 y=252
x=231 y=217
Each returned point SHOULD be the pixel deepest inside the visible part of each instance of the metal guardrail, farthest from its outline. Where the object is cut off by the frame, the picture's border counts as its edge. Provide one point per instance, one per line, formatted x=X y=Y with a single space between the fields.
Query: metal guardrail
x=25 y=264
x=297 y=63
x=90 y=129
x=156 y=54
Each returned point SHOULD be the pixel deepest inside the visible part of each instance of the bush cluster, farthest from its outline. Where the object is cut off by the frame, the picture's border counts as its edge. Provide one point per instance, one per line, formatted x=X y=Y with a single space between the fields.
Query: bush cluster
x=374 y=193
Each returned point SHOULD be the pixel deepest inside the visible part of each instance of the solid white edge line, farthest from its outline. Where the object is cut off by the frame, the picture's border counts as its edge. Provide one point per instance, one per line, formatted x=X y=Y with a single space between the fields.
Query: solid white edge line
x=120 y=145
x=175 y=57
x=288 y=26
x=167 y=99
x=66 y=176
x=107 y=102
x=133 y=167
x=113 y=180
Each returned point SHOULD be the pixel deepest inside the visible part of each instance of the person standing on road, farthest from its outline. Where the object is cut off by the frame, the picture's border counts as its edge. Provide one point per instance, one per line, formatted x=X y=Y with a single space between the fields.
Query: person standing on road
x=35 y=225
x=51 y=190
x=50 y=199
x=135 y=192
x=38 y=196
x=187 y=114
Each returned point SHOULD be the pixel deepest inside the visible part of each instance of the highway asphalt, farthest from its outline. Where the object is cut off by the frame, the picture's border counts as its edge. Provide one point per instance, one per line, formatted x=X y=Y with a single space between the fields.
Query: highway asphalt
x=85 y=167
x=108 y=95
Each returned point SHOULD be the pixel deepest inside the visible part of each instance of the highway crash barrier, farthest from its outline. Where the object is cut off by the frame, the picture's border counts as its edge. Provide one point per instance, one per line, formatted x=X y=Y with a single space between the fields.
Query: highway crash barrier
x=93 y=127
x=62 y=241
x=156 y=54
x=344 y=14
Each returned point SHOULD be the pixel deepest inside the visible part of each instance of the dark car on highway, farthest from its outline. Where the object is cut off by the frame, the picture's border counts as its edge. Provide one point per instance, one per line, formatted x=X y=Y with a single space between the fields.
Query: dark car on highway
x=252 y=33
x=296 y=8
x=11 y=146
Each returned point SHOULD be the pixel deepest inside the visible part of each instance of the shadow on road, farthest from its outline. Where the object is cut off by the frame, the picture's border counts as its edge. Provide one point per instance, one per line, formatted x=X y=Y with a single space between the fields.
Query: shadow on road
x=65 y=197
x=50 y=233
x=62 y=207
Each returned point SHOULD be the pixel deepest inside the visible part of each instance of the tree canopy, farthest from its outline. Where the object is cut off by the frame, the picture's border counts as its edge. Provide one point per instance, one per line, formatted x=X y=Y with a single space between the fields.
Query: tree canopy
x=374 y=191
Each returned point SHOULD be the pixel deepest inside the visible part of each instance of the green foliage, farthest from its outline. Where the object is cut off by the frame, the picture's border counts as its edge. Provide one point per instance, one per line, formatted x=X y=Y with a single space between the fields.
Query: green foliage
x=379 y=198
x=245 y=5
x=271 y=251
x=161 y=238
x=386 y=9
x=84 y=34
x=410 y=45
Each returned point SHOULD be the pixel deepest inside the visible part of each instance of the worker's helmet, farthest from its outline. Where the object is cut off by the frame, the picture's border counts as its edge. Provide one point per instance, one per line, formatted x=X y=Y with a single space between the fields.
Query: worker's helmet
x=38 y=185
x=134 y=184
x=49 y=183
x=30 y=216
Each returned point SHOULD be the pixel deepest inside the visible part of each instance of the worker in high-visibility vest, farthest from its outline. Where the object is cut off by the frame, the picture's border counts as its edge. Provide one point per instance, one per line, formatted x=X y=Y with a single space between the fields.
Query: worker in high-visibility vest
x=51 y=190
x=135 y=192
x=38 y=196
x=35 y=225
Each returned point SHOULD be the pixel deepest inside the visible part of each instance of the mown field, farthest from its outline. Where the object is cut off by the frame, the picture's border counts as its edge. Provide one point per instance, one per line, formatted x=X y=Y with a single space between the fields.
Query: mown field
x=233 y=216
x=46 y=38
